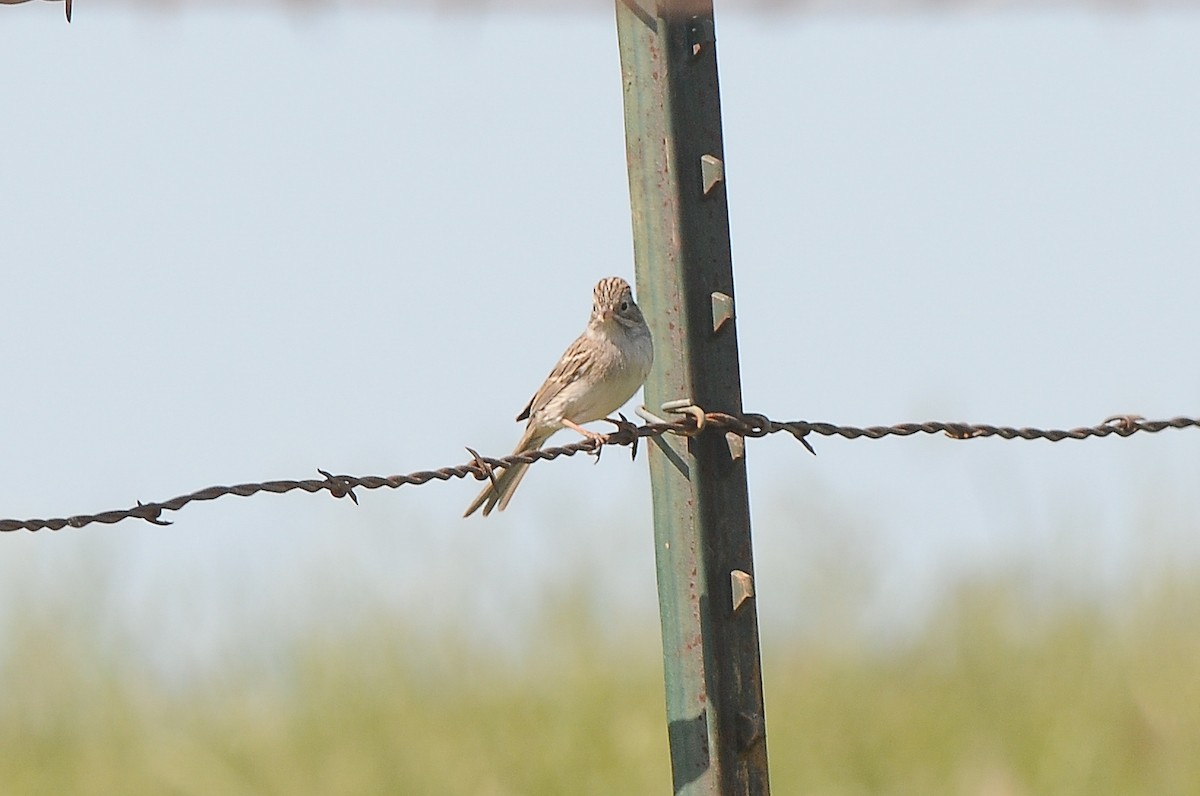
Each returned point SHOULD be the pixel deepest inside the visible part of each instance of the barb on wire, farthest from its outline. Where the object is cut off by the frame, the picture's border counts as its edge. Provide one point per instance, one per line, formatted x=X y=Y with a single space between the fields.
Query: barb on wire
x=693 y=420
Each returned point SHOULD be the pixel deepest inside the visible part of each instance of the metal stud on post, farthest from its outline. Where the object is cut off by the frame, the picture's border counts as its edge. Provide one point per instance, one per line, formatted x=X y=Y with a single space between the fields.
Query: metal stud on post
x=685 y=286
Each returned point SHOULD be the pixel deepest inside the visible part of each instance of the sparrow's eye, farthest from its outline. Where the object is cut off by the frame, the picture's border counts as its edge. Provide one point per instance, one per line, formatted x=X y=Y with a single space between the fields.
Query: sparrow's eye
x=624 y=306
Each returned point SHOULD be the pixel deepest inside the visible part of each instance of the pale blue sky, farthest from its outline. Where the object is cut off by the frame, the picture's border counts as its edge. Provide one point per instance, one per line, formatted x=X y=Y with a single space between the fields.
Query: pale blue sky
x=241 y=245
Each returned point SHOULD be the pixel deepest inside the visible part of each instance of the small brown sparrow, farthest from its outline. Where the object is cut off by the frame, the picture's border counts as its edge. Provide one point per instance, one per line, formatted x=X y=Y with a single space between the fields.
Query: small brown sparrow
x=598 y=373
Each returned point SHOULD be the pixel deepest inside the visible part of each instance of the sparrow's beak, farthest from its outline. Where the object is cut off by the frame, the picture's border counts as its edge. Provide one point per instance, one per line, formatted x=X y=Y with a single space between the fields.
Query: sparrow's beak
x=606 y=314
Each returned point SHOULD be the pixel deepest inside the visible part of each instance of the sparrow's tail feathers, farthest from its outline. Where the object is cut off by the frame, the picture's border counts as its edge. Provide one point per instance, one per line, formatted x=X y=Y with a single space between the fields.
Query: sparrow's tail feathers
x=497 y=497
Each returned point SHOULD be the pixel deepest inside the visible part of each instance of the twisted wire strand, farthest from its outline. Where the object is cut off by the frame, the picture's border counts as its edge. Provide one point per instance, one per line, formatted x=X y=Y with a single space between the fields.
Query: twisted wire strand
x=627 y=434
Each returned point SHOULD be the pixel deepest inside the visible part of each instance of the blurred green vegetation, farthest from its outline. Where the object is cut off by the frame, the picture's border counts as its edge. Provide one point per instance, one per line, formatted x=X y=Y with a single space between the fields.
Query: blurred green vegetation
x=998 y=694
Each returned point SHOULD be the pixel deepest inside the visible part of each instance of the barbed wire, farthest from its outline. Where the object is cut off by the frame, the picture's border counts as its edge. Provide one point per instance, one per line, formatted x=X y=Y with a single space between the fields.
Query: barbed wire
x=693 y=421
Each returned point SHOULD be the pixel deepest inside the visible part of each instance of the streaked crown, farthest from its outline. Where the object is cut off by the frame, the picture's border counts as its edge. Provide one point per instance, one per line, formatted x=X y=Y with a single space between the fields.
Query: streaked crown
x=610 y=292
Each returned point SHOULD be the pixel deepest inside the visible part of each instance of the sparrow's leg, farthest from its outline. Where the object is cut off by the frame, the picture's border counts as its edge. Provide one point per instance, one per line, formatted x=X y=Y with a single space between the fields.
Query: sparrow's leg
x=599 y=439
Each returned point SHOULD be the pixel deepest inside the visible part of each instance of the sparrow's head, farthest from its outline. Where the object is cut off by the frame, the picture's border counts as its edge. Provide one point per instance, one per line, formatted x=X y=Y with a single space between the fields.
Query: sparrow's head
x=612 y=300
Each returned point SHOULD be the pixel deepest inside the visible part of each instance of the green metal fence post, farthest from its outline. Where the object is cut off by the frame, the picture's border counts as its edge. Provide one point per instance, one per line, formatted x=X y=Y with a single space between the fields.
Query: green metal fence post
x=701 y=507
